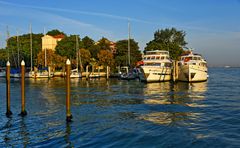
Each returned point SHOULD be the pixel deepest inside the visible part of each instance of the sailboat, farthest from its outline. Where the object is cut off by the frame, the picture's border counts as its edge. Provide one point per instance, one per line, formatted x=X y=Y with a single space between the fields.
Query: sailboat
x=126 y=73
x=75 y=73
x=39 y=73
x=15 y=72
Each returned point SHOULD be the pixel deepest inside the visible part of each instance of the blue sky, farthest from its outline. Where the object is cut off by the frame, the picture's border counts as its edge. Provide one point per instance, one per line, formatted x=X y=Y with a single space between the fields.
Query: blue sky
x=212 y=26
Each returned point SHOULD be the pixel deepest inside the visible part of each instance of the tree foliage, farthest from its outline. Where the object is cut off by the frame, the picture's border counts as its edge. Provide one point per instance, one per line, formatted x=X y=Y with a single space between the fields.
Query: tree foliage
x=105 y=58
x=104 y=44
x=121 y=57
x=55 y=32
x=85 y=56
x=94 y=50
x=87 y=42
x=67 y=47
x=171 y=40
x=52 y=59
x=3 y=57
x=24 y=45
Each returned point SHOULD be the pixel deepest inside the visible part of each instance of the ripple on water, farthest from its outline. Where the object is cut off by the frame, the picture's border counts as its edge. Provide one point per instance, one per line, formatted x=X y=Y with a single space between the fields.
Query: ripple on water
x=119 y=113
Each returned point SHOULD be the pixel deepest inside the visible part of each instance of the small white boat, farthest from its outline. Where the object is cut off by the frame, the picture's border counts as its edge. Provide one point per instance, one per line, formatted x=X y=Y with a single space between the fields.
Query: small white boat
x=126 y=74
x=156 y=67
x=42 y=73
x=94 y=75
x=75 y=74
x=2 y=74
x=192 y=68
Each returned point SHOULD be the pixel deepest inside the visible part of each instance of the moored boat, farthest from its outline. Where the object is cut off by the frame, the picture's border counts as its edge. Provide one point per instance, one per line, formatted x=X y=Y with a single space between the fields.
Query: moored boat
x=192 y=68
x=40 y=73
x=15 y=73
x=2 y=73
x=75 y=74
x=156 y=67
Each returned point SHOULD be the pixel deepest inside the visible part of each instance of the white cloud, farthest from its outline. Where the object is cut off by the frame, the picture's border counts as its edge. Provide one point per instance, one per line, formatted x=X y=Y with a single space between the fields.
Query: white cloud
x=79 y=12
x=46 y=19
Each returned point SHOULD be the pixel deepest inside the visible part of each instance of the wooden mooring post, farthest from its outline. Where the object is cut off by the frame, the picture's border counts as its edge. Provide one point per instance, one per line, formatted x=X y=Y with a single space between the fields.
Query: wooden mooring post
x=23 y=110
x=87 y=75
x=8 y=112
x=68 y=112
x=175 y=71
x=107 y=72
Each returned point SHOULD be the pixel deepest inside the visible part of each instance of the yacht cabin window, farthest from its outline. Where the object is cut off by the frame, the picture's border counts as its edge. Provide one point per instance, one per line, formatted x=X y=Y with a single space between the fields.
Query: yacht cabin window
x=153 y=57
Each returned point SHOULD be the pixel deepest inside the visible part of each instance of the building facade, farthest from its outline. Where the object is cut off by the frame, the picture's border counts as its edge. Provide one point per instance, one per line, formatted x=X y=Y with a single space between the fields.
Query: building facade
x=50 y=42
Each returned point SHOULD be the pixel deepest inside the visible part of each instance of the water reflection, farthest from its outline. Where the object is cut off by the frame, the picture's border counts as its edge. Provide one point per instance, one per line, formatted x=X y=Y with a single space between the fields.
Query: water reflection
x=167 y=118
x=24 y=133
x=176 y=101
x=178 y=93
x=6 y=132
x=67 y=135
x=192 y=87
x=157 y=88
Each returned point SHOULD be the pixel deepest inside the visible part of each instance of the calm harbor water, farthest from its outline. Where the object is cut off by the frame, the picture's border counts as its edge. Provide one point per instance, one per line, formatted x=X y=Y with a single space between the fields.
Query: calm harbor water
x=118 y=113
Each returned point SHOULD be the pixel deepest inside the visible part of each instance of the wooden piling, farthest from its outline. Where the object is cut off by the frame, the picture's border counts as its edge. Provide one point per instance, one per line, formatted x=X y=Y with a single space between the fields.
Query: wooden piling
x=23 y=110
x=49 y=72
x=68 y=112
x=175 y=71
x=87 y=73
x=107 y=72
x=99 y=72
x=8 y=112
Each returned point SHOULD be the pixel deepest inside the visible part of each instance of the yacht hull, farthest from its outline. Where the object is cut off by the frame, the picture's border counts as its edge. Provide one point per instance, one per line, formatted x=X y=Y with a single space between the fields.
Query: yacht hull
x=155 y=74
x=192 y=73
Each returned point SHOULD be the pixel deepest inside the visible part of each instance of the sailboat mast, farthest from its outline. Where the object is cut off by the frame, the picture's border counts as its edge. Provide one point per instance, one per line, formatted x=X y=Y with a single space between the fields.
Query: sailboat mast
x=31 y=45
x=8 y=36
x=45 y=51
x=129 y=60
x=18 y=64
x=77 y=47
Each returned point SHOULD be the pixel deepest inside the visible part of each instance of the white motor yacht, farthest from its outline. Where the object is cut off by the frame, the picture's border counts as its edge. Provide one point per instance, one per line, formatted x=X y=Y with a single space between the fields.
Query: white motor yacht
x=192 y=68
x=156 y=67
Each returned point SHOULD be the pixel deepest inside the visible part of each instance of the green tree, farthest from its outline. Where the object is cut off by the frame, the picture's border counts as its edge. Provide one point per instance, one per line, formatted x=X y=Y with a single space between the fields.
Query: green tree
x=105 y=58
x=121 y=57
x=94 y=50
x=104 y=44
x=85 y=56
x=87 y=42
x=67 y=47
x=171 y=40
x=24 y=48
x=55 y=32
x=3 y=57
x=52 y=59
